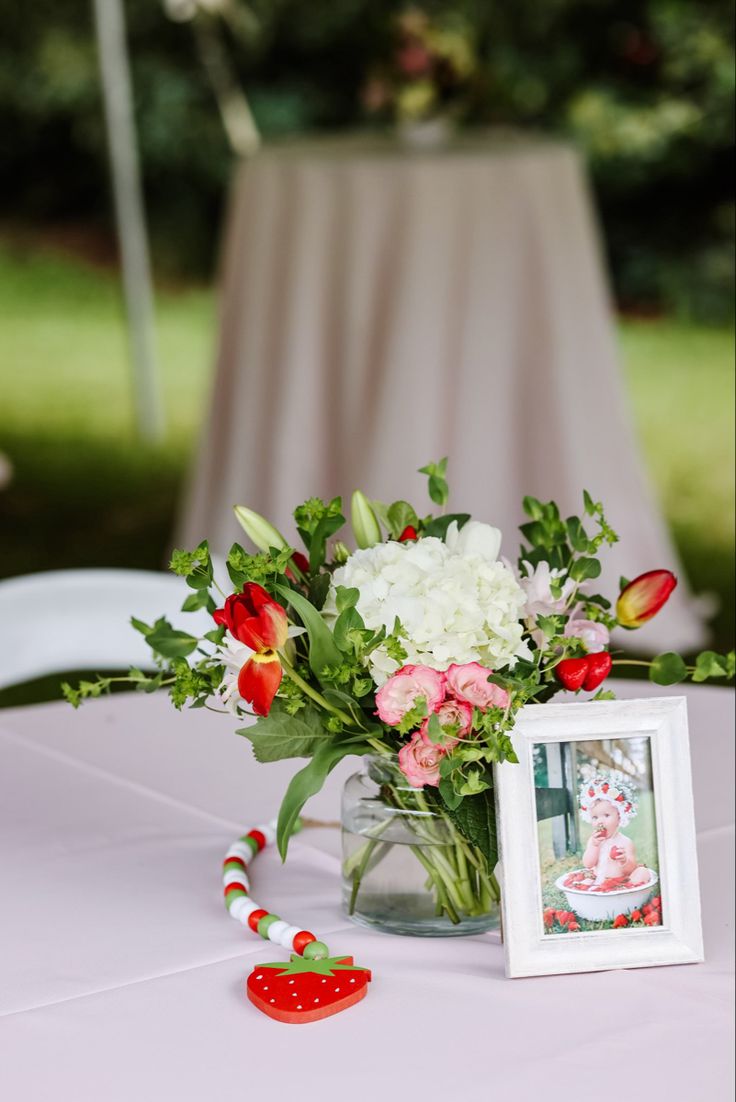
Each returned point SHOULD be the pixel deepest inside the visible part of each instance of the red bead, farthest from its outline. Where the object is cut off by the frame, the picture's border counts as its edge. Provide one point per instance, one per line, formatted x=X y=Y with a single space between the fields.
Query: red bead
x=234 y=885
x=258 y=838
x=255 y=918
x=302 y=940
x=230 y=861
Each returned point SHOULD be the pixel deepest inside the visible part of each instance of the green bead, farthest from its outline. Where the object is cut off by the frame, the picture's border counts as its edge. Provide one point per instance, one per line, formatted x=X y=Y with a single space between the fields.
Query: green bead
x=316 y=950
x=251 y=843
x=266 y=921
x=234 y=895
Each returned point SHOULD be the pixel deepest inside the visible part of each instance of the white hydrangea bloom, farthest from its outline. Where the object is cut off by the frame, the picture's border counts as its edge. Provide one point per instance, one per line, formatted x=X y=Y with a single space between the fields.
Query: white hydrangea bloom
x=455 y=603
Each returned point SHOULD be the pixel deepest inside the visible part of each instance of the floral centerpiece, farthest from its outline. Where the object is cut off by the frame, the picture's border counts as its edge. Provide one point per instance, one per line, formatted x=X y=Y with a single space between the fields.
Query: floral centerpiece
x=428 y=76
x=418 y=648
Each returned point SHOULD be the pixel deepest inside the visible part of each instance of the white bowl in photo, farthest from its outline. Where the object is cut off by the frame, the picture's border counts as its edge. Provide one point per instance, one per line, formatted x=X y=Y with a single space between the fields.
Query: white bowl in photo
x=603 y=906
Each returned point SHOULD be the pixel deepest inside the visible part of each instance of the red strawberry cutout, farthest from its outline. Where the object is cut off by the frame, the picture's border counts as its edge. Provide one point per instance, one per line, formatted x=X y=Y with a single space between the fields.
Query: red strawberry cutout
x=307 y=990
x=571 y=672
x=605 y=786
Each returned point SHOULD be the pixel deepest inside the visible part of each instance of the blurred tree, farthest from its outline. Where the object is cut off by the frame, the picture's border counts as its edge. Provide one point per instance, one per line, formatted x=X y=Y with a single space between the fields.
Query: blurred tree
x=645 y=87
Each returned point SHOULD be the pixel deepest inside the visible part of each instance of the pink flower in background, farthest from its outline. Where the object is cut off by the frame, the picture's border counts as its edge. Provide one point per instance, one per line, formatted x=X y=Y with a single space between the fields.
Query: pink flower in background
x=399 y=694
x=420 y=762
x=451 y=713
x=470 y=683
x=595 y=637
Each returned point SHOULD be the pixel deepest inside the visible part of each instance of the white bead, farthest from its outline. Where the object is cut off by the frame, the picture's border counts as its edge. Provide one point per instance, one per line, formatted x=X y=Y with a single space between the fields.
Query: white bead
x=235 y=876
x=240 y=849
x=287 y=937
x=241 y=907
x=268 y=830
x=276 y=929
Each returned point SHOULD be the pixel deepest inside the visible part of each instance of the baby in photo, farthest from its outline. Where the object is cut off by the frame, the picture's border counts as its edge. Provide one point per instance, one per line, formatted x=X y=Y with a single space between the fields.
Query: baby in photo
x=609 y=805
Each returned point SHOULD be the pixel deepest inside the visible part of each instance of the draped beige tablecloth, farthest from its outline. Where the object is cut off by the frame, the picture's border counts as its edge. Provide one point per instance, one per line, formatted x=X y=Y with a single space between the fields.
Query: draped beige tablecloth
x=122 y=976
x=382 y=308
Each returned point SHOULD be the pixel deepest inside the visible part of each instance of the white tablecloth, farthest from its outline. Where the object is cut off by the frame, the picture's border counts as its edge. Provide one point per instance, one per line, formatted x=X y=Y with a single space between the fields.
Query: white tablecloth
x=382 y=309
x=122 y=975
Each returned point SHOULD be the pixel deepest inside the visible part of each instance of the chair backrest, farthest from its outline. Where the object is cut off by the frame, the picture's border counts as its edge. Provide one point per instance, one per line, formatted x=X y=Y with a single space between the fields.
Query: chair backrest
x=80 y=620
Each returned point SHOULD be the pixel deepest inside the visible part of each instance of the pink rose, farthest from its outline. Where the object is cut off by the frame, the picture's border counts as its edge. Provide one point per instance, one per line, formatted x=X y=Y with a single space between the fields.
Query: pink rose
x=451 y=713
x=594 y=636
x=420 y=762
x=400 y=693
x=470 y=683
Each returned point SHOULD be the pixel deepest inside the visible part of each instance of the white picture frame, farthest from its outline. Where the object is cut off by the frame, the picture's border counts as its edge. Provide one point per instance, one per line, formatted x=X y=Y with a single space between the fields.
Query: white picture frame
x=529 y=950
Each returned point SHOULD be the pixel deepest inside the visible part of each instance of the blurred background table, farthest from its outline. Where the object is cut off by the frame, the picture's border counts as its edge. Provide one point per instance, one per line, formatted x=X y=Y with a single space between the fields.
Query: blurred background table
x=384 y=306
x=123 y=976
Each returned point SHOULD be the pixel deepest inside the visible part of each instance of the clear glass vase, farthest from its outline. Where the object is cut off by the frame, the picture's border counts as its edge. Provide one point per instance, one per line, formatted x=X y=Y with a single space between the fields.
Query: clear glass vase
x=406 y=868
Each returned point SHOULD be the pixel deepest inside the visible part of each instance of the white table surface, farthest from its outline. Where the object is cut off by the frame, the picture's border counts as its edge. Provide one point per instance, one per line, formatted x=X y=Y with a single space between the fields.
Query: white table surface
x=121 y=975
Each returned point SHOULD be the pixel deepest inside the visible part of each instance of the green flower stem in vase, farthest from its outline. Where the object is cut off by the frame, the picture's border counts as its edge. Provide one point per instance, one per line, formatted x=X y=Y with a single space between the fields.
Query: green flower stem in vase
x=406 y=868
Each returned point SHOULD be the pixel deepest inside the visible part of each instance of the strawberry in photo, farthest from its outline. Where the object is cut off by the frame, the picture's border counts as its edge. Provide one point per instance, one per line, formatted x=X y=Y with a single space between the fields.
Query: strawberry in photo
x=620 y=921
x=306 y=990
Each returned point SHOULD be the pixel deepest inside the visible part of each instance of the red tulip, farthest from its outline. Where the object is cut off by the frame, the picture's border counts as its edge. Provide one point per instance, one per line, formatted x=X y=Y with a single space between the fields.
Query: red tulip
x=255 y=619
x=643 y=598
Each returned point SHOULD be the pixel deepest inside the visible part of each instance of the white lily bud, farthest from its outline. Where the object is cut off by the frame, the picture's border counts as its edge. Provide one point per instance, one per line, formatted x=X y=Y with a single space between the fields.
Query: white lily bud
x=365 y=525
x=259 y=530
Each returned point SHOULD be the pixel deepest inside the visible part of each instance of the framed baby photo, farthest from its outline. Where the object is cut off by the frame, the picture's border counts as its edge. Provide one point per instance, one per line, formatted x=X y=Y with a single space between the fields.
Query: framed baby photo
x=597 y=839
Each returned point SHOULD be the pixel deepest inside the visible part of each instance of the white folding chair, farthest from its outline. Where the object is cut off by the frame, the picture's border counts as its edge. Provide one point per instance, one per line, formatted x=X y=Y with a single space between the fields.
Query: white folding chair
x=80 y=620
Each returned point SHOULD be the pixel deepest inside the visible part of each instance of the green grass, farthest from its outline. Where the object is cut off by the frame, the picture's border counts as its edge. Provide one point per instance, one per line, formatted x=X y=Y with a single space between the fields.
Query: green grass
x=86 y=492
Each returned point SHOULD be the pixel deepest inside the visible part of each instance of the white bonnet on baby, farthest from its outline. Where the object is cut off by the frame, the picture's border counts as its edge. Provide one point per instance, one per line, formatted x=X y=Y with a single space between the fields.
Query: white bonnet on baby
x=618 y=793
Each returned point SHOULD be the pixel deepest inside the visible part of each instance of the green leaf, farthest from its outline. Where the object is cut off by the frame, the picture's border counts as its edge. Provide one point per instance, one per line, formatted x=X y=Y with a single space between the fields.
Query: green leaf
x=319 y=586
x=196 y=600
x=623 y=582
x=346 y=598
x=280 y=735
x=475 y=818
x=667 y=669
x=439 y=525
x=307 y=782
x=323 y=650
x=585 y=568
x=452 y=799
x=401 y=515
x=709 y=664
x=532 y=508
x=590 y=506
x=326 y=528
x=434 y=729
x=348 y=621
x=576 y=534
x=166 y=640
x=438 y=488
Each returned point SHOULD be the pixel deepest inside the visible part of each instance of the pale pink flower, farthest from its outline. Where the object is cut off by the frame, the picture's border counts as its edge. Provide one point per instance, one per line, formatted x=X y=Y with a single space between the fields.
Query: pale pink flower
x=420 y=762
x=594 y=636
x=451 y=713
x=400 y=693
x=470 y=683
x=537 y=585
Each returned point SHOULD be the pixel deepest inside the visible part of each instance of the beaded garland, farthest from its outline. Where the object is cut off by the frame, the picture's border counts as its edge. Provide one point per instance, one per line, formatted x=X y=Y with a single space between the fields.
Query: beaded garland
x=245 y=909
x=321 y=985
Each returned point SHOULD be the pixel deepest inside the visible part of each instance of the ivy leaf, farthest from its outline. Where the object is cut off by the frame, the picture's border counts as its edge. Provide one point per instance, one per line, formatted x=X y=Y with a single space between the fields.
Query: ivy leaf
x=438 y=489
x=196 y=600
x=322 y=648
x=346 y=597
x=347 y=622
x=667 y=669
x=280 y=735
x=307 y=782
x=532 y=508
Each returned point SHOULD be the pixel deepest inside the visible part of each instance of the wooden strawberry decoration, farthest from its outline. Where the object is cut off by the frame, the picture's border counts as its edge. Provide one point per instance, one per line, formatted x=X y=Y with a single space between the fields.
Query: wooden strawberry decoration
x=306 y=990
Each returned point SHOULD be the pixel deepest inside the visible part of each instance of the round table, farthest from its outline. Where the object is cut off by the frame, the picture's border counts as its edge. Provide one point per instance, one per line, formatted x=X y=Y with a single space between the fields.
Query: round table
x=123 y=976
x=383 y=307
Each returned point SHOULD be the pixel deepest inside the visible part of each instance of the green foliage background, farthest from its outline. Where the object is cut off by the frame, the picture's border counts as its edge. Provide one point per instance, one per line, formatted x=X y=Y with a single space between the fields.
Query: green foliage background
x=645 y=87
